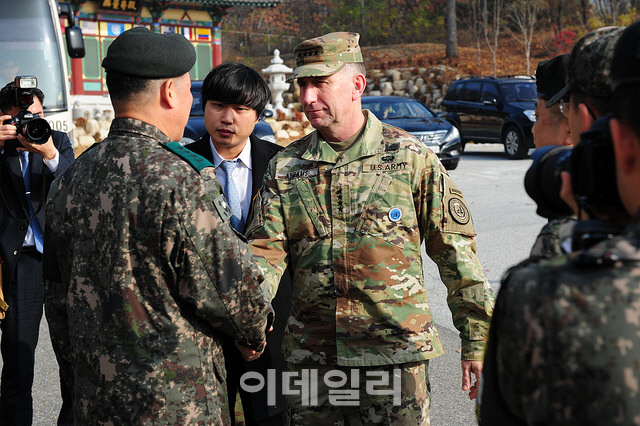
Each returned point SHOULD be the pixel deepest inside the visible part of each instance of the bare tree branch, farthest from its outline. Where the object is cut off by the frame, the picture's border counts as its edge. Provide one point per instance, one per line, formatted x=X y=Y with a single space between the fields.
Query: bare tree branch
x=524 y=16
x=452 y=32
x=609 y=10
x=496 y=26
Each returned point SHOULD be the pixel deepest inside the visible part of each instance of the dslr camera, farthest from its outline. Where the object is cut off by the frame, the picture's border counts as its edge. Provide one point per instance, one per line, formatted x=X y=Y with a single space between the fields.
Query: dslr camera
x=592 y=166
x=34 y=128
x=593 y=174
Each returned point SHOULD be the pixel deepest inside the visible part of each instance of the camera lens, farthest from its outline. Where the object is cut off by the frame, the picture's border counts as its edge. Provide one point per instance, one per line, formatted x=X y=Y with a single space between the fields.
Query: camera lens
x=593 y=170
x=37 y=130
x=542 y=181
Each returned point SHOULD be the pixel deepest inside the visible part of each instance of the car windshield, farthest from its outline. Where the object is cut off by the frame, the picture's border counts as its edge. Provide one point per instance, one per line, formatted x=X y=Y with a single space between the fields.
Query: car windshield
x=396 y=109
x=519 y=91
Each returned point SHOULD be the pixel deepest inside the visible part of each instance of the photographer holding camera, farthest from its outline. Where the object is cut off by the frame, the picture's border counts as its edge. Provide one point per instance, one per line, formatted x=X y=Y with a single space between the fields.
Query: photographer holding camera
x=563 y=345
x=550 y=134
x=31 y=156
x=582 y=99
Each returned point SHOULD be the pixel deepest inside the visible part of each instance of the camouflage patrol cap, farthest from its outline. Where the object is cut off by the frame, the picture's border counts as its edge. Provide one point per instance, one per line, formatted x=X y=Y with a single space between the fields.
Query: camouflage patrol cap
x=589 y=68
x=625 y=65
x=326 y=55
x=550 y=76
x=140 y=52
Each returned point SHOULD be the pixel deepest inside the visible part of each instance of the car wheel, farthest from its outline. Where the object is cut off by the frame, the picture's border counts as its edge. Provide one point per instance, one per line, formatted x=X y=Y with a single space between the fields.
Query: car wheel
x=514 y=143
x=450 y=165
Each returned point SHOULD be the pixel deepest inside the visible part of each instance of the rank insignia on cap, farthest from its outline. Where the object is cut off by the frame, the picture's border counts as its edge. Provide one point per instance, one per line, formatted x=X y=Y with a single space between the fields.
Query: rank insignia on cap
x=326 y=55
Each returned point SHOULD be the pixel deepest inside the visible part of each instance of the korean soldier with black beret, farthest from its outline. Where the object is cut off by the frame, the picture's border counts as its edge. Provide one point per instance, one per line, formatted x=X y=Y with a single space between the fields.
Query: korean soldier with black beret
x=146 y=272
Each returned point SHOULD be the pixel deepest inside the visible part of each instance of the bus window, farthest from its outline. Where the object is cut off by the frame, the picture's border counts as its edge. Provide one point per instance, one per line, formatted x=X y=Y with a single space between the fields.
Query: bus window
x=30 y=44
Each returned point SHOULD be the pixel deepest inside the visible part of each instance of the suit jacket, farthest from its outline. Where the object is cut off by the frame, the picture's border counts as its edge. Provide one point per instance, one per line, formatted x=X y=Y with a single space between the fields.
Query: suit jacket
x=13 y=201
x=261 y=152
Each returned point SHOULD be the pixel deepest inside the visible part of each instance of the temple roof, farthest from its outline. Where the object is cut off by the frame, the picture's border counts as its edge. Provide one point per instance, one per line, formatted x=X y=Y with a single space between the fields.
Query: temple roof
x=223 y=3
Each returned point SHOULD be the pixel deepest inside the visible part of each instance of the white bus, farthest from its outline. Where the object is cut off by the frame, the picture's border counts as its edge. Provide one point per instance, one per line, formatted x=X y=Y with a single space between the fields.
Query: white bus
x=31 y=43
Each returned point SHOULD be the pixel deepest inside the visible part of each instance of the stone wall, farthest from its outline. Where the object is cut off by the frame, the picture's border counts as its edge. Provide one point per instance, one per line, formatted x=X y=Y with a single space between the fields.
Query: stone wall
x=428 y=85
x=91 y=126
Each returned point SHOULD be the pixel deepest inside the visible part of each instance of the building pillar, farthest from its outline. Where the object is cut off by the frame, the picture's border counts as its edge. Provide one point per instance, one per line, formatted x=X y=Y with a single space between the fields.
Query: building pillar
x=76 y=76
x=217 y=14
x=217 y=45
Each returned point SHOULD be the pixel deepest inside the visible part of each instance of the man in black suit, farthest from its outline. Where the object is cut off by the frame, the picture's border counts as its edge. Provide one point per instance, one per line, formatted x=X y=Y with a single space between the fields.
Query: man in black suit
x=22 y=197
x=234 y=97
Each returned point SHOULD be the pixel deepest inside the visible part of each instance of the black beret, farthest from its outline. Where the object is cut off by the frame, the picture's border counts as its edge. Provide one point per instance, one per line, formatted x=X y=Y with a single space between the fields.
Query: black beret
x=550 y=76
x=625 y=65
x=140 y=52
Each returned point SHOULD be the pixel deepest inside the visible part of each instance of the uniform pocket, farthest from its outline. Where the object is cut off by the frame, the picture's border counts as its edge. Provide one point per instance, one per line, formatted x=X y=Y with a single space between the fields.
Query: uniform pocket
x=389 y=212
x=320 y=221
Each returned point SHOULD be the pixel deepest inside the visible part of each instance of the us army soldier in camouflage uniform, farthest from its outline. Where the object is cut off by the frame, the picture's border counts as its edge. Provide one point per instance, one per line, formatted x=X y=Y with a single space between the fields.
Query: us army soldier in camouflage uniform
x=347 y=207
x=563 y=347
x=150 y=271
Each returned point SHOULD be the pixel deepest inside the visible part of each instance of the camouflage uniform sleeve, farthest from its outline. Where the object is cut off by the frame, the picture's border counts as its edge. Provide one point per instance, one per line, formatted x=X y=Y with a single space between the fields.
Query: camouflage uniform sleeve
x=55 y=290
x=449 y=236
x=267 y=234
x=204 y=249
x=55 y=298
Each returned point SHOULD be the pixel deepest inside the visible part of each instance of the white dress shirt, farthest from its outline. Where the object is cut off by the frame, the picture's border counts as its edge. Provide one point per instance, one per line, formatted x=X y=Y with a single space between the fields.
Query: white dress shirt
x=241 y=175
x=52 y=165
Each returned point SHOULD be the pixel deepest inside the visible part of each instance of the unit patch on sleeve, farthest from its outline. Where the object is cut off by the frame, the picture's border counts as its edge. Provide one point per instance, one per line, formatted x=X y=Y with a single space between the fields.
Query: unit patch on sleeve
x=457 y=217
x=459 y=211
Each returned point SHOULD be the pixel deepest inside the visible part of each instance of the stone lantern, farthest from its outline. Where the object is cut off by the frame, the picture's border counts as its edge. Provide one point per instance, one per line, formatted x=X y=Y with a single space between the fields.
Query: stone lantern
x=277 y=81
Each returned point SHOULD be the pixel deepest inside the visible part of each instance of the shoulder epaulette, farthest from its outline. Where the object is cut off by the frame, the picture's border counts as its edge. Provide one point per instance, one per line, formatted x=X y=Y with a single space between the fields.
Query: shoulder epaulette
x=197 y=161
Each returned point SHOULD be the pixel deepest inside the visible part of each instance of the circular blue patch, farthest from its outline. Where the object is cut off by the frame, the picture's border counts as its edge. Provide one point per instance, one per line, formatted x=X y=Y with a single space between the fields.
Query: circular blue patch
x=395 y=214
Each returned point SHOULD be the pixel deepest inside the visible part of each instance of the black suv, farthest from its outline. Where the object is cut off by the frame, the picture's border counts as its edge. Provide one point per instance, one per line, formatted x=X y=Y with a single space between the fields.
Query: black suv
x=494 y=110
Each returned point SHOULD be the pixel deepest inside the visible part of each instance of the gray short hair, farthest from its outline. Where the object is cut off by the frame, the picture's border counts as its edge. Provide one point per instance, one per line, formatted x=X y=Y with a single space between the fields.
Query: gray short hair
x=355 y=68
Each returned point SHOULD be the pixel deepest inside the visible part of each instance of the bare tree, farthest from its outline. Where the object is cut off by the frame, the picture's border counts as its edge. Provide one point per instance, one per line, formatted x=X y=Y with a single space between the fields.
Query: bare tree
x=584 y=12
x=555 y=14
x=477 y=25
x=452 y=34
x=609 y=10
x=470 y=18
x=492 y=35
x=476 y=6
x=524 y=16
